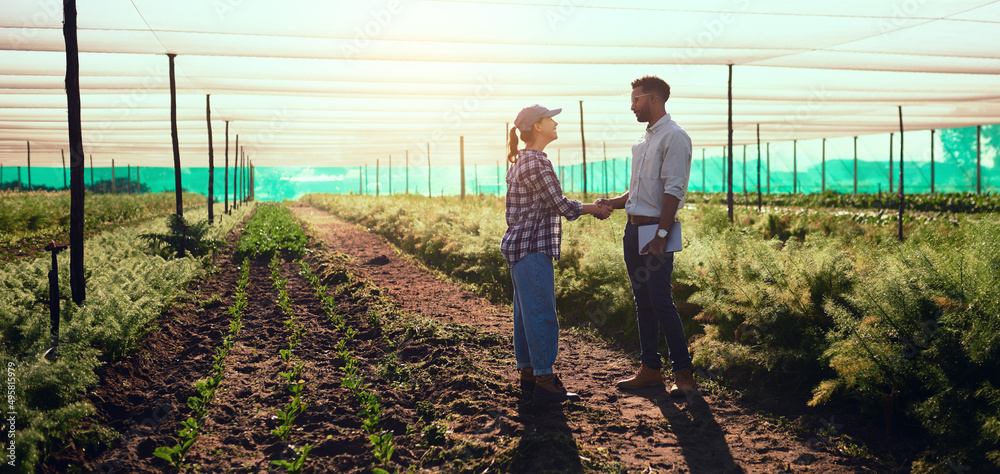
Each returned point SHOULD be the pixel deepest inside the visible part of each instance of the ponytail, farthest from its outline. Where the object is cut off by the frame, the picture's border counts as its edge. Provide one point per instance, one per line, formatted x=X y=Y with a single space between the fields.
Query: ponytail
x=527 y=136
x=512 y=145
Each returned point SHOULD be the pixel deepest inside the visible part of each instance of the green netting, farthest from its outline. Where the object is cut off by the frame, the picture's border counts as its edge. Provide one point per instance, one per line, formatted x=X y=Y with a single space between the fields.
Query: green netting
x=940 y=161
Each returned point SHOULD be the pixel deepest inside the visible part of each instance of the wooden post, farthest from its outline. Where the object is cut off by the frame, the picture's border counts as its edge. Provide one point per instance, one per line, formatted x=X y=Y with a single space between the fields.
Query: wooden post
x=760 y=198
x=20 y=185
x=236 y=168
x=29 y=165
x=979 y=168
x=211 y=160
x=461 y=157
x=225 y=178
x=91 y=166
x=361 y=181
x=429 y=169
x=113 y=190
x=767 y=147
x=583 y=144
x=173 y=137
x=729 y=195
x=703 y=183
x=932 y=161
x=855 y=164
x=138 y=183
x=76 y=270
x=902 y=196
x=128 y=178
x=795 y=166
x=823 y=169
x=605 y=146
x=65 y=177
x=746 y=199
x=376 y=177
x=366 y=176
x=890 y=163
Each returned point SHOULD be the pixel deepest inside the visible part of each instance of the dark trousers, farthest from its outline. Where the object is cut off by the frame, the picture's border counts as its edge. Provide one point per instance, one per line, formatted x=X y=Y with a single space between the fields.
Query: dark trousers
x=654 y=306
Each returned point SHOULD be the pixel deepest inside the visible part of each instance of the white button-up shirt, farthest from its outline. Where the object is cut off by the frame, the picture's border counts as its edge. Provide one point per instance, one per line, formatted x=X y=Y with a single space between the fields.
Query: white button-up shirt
x=661 y=164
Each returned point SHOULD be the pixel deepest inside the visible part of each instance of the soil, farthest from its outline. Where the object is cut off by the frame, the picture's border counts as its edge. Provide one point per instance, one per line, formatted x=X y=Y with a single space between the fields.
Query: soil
x=441 y=360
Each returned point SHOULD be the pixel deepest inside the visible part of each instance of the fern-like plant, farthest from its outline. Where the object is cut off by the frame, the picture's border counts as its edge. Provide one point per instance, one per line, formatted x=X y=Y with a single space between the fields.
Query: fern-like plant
x=182 y=238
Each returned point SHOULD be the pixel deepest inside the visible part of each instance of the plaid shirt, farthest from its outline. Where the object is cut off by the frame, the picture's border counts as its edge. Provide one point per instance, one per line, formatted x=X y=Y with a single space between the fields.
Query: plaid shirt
x=535 y=203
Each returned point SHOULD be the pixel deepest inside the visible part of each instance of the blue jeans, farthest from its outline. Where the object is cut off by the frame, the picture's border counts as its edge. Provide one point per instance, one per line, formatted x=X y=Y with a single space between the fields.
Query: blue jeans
x=536 y=326
x=654 y=306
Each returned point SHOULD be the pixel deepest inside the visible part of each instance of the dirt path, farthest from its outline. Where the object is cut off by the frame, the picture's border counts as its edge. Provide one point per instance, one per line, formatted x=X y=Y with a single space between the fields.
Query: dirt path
x=644 y=430
x=440 y=361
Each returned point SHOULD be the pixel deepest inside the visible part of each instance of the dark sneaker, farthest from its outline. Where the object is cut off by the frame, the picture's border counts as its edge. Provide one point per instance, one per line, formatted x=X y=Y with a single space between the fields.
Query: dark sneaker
x=549 y=387
x=527 y=382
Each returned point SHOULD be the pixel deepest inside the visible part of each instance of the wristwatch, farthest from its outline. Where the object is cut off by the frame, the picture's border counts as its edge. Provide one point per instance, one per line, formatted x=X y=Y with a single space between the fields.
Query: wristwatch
x=661 y=233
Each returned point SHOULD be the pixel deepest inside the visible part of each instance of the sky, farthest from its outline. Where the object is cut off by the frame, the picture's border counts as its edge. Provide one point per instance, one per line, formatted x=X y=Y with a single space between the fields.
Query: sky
x=333 y=83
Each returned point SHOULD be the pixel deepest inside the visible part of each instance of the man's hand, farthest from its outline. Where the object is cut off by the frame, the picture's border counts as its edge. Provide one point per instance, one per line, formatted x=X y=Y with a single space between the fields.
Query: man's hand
x=603 y=210
x=656 y=247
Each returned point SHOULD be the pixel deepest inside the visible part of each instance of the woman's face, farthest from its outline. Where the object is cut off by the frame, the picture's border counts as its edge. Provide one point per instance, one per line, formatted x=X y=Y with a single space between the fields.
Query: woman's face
x=547 y=128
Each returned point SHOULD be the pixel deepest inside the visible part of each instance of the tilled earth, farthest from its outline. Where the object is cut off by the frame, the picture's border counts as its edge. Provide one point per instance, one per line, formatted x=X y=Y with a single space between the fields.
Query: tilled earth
x=441 y=360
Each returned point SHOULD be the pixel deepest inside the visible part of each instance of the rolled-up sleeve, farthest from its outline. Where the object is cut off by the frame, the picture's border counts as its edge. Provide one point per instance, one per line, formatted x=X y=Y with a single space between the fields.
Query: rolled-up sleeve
x=676 y=168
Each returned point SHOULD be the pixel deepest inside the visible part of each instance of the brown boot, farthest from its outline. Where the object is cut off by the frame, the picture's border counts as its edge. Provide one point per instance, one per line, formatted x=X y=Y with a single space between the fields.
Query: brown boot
x=646 y=377
x=549 y=387
x=527 y=382
x=683 y=383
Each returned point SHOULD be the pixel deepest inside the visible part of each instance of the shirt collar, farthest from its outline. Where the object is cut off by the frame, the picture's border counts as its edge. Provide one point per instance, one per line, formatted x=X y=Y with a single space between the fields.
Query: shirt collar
x=663 y=120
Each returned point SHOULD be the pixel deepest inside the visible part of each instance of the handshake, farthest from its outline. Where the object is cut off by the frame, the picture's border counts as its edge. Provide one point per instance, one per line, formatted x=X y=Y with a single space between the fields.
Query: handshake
x=600 y=209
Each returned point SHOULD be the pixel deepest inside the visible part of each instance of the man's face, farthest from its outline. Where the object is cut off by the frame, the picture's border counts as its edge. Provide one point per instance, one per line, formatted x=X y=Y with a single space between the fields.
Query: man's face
x=641 y=102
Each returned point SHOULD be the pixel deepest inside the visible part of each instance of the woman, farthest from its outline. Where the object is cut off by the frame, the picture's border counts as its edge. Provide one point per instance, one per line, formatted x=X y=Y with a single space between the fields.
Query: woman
x=535 y=206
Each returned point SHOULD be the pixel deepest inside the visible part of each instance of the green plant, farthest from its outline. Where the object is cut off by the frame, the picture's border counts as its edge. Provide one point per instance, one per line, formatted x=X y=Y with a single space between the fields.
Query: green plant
x=182 y=238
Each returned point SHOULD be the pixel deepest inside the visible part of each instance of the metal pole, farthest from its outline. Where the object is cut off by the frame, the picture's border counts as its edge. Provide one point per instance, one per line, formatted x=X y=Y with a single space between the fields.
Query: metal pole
x=236 y=168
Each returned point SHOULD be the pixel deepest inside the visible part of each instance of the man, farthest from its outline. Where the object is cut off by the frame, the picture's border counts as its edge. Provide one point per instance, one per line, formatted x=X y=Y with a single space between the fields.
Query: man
x=661 y=166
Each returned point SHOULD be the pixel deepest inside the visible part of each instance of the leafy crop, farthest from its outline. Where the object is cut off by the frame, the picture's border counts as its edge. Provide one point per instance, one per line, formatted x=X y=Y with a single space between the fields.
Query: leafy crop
x=272 y=230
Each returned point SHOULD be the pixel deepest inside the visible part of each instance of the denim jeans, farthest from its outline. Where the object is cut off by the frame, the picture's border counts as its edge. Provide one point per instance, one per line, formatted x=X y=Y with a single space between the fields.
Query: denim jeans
x=654 y=306
x=536 y=327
